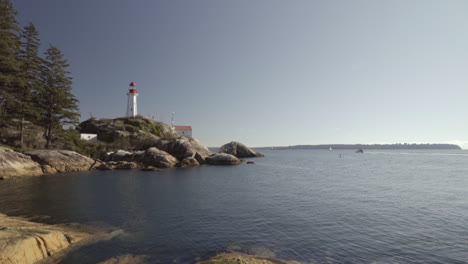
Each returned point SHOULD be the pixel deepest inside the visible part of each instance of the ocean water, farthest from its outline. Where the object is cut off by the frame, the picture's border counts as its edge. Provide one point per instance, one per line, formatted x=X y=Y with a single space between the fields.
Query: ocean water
x=306 y=205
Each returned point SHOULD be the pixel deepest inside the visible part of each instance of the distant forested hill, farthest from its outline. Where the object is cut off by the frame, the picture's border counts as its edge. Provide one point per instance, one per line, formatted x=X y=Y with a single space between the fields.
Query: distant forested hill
x=373 y=146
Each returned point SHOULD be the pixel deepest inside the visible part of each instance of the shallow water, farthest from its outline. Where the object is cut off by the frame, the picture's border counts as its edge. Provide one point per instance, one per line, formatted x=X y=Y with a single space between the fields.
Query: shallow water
x=305 y=205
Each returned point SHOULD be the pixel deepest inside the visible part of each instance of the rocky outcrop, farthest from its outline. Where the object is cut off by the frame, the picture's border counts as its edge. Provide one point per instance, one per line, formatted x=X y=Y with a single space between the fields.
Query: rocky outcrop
x=185 y=147
x=17 y=164
x=222 y=159
x=24 y=242
x=238 y=258
x=146 y=130
x=53 y=161
x=150 y=157
x=158 y=158
x=239 y=150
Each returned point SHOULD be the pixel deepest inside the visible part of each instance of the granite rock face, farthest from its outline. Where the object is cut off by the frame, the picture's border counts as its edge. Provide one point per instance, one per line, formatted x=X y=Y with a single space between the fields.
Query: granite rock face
x=24 y=242
x=184 y=147
x=238 y=258
x=158 y=158
x=239 y=150
x=17 y=164
x=53 y=161
x=222 y=159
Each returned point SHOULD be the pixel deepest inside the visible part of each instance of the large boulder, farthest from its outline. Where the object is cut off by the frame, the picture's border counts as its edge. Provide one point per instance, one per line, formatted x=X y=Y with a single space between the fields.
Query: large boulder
x=239 y=150
x=222 y=159
x=24 y=242
x=17 y=164
x=238 y=258
x=185 y=147
x=61 y=160
x=158 y=158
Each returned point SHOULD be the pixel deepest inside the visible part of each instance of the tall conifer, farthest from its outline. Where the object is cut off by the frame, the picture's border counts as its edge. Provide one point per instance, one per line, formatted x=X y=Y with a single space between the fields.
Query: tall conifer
x=10 y=44
x=57 y=103
x=30 y=71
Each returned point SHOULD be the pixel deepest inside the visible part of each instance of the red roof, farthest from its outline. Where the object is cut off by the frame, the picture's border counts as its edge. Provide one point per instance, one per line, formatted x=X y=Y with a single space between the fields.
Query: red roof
x=183 y=128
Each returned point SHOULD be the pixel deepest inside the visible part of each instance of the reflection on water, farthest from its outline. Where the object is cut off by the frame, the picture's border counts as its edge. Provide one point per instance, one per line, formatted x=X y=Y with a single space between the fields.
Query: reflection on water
x=306 y=205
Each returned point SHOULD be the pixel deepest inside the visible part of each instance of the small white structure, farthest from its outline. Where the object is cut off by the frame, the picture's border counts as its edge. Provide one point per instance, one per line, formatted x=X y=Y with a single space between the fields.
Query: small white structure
x=88 y=136
x=183 y=130
x=132 y=94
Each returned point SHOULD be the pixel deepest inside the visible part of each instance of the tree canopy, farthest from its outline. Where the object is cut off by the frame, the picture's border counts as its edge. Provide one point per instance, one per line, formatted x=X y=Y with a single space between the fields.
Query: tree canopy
x=33 y=89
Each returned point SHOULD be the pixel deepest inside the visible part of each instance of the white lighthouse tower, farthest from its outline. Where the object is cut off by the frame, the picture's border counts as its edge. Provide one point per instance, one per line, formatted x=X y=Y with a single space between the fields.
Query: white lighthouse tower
x=132 y=110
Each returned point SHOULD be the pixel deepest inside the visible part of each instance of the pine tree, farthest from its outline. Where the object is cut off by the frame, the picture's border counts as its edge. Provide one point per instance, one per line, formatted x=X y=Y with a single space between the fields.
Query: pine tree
x=24 y=97
x=57 y=103
x=10 y=44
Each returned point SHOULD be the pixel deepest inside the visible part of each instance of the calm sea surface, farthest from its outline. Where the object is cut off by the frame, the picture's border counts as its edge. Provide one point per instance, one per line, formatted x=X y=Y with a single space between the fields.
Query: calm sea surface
x=305 y=205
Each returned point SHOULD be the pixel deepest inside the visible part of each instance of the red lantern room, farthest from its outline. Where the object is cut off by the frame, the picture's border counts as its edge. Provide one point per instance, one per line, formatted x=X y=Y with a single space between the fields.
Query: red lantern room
x=132 y=89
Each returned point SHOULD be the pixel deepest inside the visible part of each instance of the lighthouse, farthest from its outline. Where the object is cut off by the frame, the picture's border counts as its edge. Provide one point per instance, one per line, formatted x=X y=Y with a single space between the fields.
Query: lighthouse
x=132 y=100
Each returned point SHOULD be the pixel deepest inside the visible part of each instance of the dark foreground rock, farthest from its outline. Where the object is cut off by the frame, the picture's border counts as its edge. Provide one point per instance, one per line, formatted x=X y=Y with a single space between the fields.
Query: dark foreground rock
x=53 y=161
x=17 y=164
x=222 y=159
x=238 y=258
x=239 y=150
x=24 y=242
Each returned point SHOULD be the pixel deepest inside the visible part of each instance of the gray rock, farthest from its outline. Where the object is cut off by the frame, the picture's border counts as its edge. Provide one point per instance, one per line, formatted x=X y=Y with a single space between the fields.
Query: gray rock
x=17 y=164
x=239 y=150
x=158 y=158
x=185 y=147
x=61 y=160
x=222 y=159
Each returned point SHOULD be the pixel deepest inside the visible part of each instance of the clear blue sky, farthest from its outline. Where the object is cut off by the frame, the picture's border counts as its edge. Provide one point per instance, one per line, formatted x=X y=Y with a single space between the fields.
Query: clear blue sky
x=271 y=72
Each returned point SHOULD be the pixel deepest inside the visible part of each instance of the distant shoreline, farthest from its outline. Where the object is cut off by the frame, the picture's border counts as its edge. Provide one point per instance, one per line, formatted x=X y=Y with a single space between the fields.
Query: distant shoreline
x=366 y=146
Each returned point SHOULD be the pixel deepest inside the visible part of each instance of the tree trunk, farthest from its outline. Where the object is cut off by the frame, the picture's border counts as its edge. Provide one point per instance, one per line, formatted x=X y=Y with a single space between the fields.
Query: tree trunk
x=22 y=132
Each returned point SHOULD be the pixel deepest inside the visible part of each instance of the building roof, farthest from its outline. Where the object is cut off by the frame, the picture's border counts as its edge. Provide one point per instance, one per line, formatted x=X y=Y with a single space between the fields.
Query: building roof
x=183 y=128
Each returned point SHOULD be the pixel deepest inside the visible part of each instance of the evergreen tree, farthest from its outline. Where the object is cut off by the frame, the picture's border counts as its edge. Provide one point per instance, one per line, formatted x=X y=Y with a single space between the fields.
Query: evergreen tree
x=57 y=103
x=9 y=60
x=30 y=71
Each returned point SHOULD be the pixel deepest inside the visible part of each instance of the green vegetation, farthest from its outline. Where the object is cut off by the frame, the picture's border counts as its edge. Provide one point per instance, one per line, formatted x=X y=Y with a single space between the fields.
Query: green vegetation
x=138 y=123
x=35 y=92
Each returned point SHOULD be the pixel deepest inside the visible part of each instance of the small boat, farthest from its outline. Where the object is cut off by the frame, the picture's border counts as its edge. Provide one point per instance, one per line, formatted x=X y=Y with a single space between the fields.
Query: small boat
x=359 y=151
x=330 y=149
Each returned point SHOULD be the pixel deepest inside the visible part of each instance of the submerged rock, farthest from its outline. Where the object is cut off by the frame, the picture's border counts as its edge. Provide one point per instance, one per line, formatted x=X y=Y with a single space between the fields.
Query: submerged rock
x=126 y=259
x=17 y=164
x=150 y=168
x=222 y=159
x=238 y=258
x=61 y=160
x=239 y=150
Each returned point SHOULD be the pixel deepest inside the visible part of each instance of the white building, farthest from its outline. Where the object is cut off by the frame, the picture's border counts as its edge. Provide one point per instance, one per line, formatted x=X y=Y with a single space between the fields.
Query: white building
x=183 y=130
x=88 y=136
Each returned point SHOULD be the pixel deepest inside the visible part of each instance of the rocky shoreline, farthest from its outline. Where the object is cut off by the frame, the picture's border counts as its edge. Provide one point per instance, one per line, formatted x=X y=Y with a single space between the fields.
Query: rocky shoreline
x=181 y=152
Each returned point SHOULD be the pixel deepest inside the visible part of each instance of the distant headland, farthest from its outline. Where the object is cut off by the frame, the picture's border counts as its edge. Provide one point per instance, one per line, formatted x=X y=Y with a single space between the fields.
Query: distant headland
x=368 y=146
